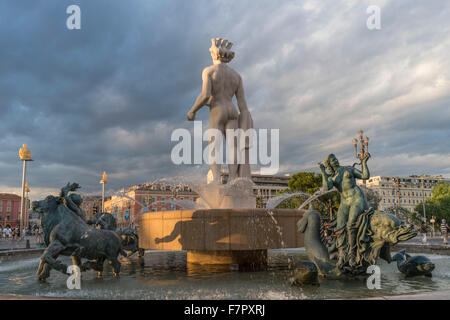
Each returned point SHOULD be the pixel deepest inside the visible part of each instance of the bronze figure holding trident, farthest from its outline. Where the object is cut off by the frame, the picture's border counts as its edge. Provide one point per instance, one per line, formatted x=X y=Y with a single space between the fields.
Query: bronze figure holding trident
x=353 y=203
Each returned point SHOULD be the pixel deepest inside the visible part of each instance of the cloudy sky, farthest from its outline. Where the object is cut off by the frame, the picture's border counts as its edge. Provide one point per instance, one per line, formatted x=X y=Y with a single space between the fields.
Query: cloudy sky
x=108 y=96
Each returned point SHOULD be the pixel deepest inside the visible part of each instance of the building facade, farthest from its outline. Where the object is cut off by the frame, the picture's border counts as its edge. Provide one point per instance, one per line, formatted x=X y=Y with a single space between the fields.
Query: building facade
x=10 y=210
x=153 y=196
x=92 y=204
x=165 y=197
x=406 y=192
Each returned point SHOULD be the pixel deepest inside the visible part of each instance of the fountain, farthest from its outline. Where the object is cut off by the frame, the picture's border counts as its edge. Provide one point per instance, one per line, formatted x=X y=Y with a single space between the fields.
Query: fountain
x=224 y=228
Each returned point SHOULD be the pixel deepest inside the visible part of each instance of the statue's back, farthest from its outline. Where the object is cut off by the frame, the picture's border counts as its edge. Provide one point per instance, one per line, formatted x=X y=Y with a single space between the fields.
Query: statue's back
x=225 y=82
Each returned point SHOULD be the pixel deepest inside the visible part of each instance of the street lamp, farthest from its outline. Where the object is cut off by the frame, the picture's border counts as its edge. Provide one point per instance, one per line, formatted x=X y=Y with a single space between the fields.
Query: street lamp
x=103 y=181
x=24 y=155
x=423 y=199
x=27 y=190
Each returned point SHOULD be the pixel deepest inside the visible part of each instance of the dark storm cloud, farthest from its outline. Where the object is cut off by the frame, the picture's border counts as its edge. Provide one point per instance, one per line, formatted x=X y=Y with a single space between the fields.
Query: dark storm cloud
x=108 y=96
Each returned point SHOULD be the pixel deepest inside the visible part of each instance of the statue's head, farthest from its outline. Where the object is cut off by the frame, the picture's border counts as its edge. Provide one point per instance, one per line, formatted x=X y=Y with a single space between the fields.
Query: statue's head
x=76 y=198
x=331 y=163
x=220 y=50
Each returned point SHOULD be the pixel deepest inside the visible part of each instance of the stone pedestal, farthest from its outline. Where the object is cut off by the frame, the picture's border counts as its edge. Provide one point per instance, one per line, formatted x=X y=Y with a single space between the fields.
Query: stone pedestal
x=222 y=236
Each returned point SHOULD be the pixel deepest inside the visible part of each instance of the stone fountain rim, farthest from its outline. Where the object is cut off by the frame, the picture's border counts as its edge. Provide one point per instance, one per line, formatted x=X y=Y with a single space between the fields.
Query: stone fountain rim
x=236 y=210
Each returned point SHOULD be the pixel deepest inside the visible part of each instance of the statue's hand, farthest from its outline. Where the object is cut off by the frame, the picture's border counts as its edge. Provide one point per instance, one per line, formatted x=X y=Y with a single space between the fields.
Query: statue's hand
x=321 y=166
x=191 y=116
x=366 y=157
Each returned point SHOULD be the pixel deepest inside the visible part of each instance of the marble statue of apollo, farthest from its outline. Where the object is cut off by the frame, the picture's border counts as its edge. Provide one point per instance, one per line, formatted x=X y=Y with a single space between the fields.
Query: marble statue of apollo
x=220 y=84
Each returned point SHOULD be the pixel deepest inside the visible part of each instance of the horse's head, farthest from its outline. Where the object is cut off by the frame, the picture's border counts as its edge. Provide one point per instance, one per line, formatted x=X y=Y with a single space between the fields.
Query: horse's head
x=106 y=221
x=44 y=207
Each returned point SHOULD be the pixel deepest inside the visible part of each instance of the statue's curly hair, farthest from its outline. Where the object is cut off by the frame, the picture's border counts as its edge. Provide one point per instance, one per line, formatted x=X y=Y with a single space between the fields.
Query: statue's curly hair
x=220 y=49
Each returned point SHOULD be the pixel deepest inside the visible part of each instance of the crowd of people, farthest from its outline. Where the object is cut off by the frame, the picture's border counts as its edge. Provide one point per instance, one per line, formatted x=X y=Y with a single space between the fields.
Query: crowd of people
x=444 y=229
x=14 y=234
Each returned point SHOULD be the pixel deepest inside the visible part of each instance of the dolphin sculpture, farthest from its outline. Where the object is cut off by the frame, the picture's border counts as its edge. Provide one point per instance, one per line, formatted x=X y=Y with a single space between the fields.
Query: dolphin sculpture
x=413 y=265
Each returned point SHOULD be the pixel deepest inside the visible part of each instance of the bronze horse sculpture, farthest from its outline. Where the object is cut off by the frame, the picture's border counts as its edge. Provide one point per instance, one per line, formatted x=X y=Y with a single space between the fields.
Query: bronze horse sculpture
x=128 y=235
x=66 y=233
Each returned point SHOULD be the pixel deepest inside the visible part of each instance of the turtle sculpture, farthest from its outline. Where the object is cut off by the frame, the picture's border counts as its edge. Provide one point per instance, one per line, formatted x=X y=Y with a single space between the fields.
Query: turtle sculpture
x=413 y=265
x=66 y=233
x=377 y=232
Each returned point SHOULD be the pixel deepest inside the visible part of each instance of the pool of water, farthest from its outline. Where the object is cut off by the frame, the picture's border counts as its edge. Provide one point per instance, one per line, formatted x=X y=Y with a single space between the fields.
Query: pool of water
x=167 y=276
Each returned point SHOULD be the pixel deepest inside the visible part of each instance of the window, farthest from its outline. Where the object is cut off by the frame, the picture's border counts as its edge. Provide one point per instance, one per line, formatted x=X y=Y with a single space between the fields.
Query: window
x=8 y=217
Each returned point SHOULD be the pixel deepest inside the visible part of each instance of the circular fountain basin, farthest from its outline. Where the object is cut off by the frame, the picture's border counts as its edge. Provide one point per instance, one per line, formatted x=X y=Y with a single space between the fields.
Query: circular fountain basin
x=166 y=276
x=222 y=236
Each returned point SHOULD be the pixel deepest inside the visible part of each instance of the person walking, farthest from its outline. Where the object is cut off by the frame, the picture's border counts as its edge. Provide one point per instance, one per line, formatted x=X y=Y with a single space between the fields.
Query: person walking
x=8 y=233
x=39 y=236
x=444 y=230
x=423 y=230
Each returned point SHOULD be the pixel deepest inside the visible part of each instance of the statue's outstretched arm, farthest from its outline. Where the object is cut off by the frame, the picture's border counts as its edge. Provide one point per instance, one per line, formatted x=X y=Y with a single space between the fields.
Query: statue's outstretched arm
x=72 y=206
x=204 y=96
x=67 y=188
x=364 y=174
x=327 y=184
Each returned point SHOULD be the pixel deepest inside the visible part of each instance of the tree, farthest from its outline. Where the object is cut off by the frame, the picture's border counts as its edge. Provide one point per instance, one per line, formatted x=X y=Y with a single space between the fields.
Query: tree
x=441 y=191
x=439 y=204
x=310 y=182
